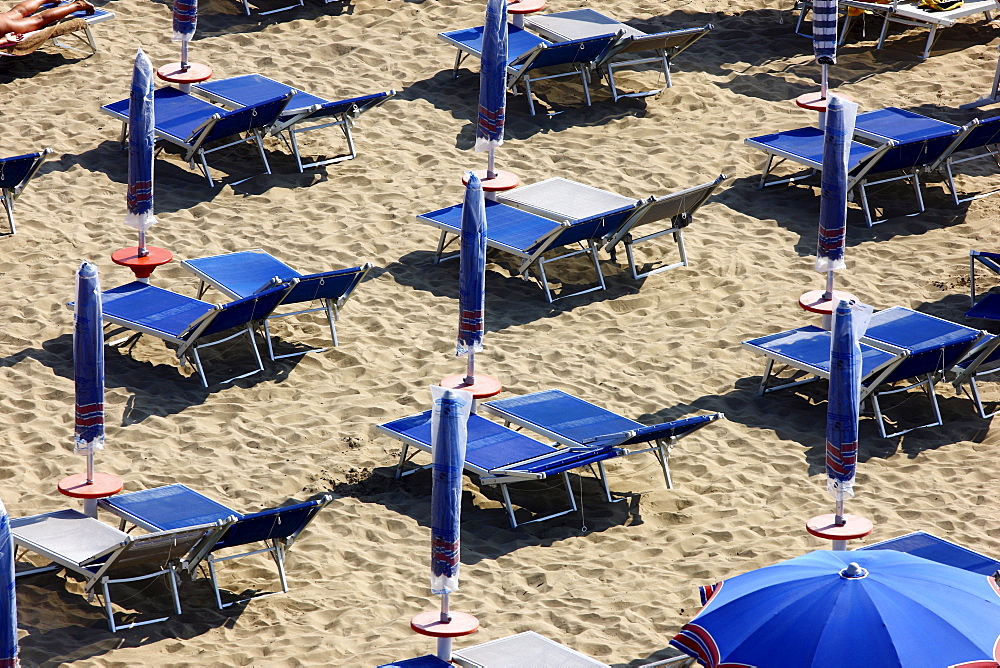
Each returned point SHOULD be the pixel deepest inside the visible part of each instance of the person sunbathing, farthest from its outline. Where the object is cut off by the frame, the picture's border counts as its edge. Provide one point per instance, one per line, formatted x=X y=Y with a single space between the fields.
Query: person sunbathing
x=22 y=19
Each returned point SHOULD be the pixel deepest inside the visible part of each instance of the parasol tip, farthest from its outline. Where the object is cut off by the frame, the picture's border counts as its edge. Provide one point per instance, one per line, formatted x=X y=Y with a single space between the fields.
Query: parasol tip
x=853 y=571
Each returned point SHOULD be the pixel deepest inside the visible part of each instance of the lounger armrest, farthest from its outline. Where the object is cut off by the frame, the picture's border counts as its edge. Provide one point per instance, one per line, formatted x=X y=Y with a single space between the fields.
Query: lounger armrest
x=667 y=430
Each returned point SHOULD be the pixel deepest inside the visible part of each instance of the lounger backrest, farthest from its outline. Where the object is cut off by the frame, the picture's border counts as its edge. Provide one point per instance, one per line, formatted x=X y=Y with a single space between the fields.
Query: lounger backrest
x=273 y=524
x=335 y=285
x=933 y=361
x=671 y=41
x=678 y=207
x=978 y=133
x=585 y=229
x=353 y=107
x=161 y=547
x=248 y=118
x=986 y=351
x=18 y=170
x=572 y=52
x=907 y=155
x=667 y=430
x=249 y=309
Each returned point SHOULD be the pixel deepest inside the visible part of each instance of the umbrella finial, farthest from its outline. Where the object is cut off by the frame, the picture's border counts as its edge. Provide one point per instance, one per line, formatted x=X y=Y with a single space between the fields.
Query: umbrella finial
x=853 y=572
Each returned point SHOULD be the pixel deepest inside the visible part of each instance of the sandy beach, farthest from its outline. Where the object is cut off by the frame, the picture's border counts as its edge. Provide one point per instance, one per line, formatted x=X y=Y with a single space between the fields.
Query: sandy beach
x=615 y=584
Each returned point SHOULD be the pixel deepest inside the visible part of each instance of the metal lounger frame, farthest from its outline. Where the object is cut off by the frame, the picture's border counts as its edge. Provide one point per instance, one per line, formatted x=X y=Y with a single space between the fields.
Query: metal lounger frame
x=673 y=43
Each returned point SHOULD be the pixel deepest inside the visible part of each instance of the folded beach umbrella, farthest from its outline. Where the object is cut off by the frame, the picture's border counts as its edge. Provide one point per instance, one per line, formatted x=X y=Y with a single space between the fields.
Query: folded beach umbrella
x=472 y=275
x=185 y=22
x=843 y=409
x=139 y=198
x=840 y=609
x=88 y=366
x=8 y=598
x=492 y=82
x=824 y=29
x=839 y=129
x=448 y=440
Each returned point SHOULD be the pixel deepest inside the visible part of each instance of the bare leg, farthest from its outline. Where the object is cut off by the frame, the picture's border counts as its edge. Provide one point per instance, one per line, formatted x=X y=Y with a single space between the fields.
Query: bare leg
x=22 y=9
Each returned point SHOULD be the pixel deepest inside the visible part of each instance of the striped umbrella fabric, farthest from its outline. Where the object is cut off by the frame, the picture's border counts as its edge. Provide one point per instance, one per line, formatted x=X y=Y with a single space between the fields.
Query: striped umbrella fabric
x=493 y=78
x=139 y=197
x=472 y=270
x=8 y=595
x=449 y=434
x=840 y=118
x=88 y=363
x=824 y=29
x=185 y=20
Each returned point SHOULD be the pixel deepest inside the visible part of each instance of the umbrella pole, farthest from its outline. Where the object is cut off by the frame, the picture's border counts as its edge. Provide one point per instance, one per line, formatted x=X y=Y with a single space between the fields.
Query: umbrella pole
x=823 y=86
x=470 y=370
x=184 y=55
x=444 y=644
x=828 y=294
x=839 y=513
x=491 y=166
x=90 y=468
x=142 y=244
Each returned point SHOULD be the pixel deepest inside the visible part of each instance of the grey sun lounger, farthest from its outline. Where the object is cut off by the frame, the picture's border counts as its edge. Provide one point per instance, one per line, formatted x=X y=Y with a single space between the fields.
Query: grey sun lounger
x=105 y=556
x=587 y=23
x=561 y=199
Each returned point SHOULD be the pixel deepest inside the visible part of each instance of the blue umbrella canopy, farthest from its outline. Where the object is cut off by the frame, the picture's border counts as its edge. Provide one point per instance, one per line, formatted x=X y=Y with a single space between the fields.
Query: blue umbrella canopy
x=88 y=362
x=139 y=197
x=8 y=598
x=493 y=77
x=840 y=609
x=472 y=270
x=448 y=440
x=840 y=117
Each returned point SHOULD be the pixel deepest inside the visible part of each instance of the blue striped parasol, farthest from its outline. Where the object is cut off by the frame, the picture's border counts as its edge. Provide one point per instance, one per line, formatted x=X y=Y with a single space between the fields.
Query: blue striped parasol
x=839 y=130
x=472 y=275
x=492 y=82
x=8 y=595
x=88 y=366
x=185 y=22
x=824 y=28
x=139 y=198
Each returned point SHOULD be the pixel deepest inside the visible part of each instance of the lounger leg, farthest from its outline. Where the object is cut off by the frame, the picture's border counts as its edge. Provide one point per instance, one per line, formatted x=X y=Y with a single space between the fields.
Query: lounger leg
x=402 y=460
x=7 y=196
x=267 y=338
x=864 y=204
x=930 y=42
x=279 y=558
x=597 y=265
x=330 y=317
x=974 y=393
x=953 y=189
x=611 y=83
x=666 y=69
x=768 y=366
x=920 y=197
x=215 y=582
x=458 y=61
x=260 y=148
x=878 y=414
x=663 y=455
x=603 y=475
x=172 y=575
x=107 y=605
x=509 y=505
x=586 y=88
x=885 y=31
x=204 y=168
x=679 y=238
x=569 y=493
x=350 y=138
x=527 y=92
x=545 y=280
x=295 y=149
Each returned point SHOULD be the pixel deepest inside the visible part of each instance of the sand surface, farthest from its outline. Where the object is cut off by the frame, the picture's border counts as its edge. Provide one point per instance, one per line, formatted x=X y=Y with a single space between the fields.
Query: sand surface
x=657 y=349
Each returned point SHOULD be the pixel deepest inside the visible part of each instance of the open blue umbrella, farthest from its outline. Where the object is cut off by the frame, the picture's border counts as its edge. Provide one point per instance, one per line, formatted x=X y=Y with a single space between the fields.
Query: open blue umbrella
x=8 y=598
x=185 y=22
x=824 y=28
x=139 y=198
x=88 y=367
x=839 y=609
x=843 y=409
x=492 y=82
x=472 y=275
x=839 y=129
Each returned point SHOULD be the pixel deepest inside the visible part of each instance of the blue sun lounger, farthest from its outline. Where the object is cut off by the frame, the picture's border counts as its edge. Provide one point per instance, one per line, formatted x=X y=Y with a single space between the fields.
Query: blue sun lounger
x=186 y=321
x=899 y=345
x=192 y=124
x=530 y=237
x=906 y=142
x=928 y=546
x=15 y=173
x=305 y=112
x=527 y=54
x=173 y=507
x=576 y=423
x=242 y=274
x=500 y=456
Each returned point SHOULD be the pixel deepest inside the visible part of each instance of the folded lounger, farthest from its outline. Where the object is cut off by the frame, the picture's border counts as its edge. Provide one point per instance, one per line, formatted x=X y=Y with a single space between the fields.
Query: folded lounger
x=174 y=507
x=240 y=275
x=187 y=321
x=501 y=456
x=527 y=54
x=907 y=142
x=573 y=422
x=899 y=345
x=193 y=124
x=562 y=199
x=99 y=552
x=981 y=138
x=305 y=110
x=928 y=546
x=584 y=23
x=15 y=173
x=530 y=237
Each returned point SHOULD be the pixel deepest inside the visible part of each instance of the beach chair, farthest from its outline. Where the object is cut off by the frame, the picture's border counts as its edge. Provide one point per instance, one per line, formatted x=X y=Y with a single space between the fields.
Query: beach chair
x=75 y=23
x=585 y=23
x=529 y=237
x=193 y=124
x=900 y=351
x=501 y=456
x=105 y=556
x=178 y=506
x=906 y=142
x=928 y=546
x=188 y=322
x=304 y=113
x=15 y=173
x=575 y=423
x=981 y=138
x=562 y=199
x=529 y=56
x=240 y=275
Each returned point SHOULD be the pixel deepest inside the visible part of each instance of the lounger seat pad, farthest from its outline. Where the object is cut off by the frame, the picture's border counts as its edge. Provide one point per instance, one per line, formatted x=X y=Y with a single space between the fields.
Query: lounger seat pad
x=903 y=125
x=252 y=89
x=243 y=273
x=169 y=507
x=505 y=226
x=917 y=332
x=519 y=41
x=806 y=145
x=177 y=114
x=153 y=308
x=810 y=347
x=69 y=534
x=564 y=415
